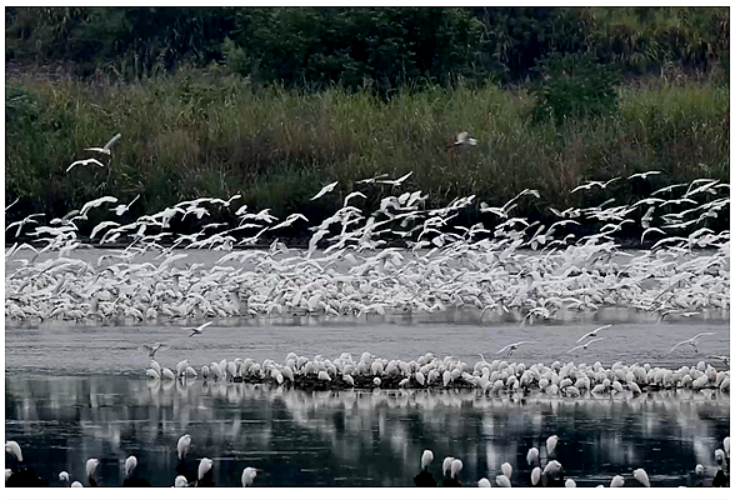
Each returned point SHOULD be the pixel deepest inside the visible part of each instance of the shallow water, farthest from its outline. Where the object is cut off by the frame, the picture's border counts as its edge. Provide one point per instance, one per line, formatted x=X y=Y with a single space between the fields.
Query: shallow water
x=352 y=438
x=73 y=392
x=59 y=348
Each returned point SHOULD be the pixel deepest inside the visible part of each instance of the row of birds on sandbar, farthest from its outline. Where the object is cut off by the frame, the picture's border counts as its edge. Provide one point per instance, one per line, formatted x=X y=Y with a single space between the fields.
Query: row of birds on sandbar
x=431 y=371
x=201 y=475
x=403 y=258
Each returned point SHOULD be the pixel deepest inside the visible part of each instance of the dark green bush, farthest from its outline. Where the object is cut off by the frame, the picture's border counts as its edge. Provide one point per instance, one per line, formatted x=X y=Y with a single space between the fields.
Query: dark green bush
x=380 y=49
x=574 y=86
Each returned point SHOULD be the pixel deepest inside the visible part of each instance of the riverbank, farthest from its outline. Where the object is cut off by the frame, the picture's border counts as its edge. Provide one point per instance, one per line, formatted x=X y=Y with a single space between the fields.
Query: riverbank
x=197 y=134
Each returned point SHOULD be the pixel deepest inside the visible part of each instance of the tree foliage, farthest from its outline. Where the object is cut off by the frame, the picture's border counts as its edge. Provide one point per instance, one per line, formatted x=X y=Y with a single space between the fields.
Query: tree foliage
x=371 y=48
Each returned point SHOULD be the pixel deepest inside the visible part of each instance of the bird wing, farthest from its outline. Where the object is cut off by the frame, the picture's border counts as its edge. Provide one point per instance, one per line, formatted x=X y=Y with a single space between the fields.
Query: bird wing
x=111 y=142
x=398 y=181
x=574 y=349
x=96 y=150
x=205 y=325
x=585 y=336
x=677 y=345
x=504 y=349
x=325 y=190
x=601 y=328
x=134 y=200
x=594 y=340
x=78 y=162
x=701 y=335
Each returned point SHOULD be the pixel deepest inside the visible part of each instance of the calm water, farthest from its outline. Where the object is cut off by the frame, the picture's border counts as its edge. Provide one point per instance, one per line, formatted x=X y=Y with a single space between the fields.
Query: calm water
x=76 y=391
x=352 y=438
x=59 y=348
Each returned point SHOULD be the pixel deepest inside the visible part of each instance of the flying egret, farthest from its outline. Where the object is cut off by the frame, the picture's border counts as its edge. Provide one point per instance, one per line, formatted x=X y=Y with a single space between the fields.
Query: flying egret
x=464 y=140
x=85 y=162
x=396 y=182
x=512 y=347
x=121 y=209
x=593 y=333
x=585 y=346
x=23 y=222
x=106 y=148
x=643 y=175
x=692 y=341
x=152 y=349
x=199 y=329
x=326 y=189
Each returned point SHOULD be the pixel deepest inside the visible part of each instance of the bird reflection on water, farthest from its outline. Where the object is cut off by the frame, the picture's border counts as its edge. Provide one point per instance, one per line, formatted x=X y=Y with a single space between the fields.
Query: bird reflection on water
x=358 y=438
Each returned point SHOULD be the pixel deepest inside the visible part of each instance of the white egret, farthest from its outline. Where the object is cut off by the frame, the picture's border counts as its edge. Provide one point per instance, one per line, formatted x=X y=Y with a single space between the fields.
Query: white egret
x=85 y=162
x=199 y=329
x=106 y=148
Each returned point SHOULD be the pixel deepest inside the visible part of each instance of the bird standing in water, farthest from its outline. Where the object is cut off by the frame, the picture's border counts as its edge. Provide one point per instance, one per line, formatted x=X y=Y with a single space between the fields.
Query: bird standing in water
x=17 y=475
x=721 y=480
x=204 y=474
x=131 y=466
x=424 y=478
x=455 y=468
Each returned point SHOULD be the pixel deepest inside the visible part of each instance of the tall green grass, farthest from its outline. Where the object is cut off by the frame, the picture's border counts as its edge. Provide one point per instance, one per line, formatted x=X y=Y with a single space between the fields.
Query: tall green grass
x=197 y=134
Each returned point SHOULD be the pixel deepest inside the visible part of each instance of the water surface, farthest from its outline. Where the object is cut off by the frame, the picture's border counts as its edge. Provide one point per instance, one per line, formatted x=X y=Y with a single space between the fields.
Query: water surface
x=353 y=438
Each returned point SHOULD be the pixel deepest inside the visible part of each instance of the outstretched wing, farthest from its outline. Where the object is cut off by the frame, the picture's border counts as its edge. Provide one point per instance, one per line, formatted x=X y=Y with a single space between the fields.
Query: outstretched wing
x=575 y=348
x=677 y=345
x=702 y=334
x=585 y=336
x=112 y=141
x=504 y=349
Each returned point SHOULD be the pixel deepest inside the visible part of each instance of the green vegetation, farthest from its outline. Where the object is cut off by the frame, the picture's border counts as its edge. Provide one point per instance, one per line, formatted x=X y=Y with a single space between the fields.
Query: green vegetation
x=375 y=49
x=272 y=103
x=195 y=134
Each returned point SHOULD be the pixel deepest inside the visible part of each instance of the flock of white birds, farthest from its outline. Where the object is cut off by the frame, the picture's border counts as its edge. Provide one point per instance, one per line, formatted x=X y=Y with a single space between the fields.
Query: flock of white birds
x=492 y=378
x=402 y=258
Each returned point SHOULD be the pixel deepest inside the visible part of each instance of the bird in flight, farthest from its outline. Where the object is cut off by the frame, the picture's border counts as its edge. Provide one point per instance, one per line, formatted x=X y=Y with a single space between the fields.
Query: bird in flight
x=396 y=182
x=512 y=347
x=464 y=140
x=121 y=209
x=199 y=329
x=326 y=189
x=106 y=148
x=643 y=175
x=585 y=346
x=152 y=349
x=85 y=162
x=692 y=342
x=593 y=333
x=372 y=179
x=21 y=223
x=591 y=184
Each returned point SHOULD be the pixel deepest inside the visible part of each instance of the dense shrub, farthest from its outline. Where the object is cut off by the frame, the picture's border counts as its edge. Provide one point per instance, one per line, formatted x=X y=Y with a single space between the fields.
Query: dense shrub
x=367 y=48
x=575 y=86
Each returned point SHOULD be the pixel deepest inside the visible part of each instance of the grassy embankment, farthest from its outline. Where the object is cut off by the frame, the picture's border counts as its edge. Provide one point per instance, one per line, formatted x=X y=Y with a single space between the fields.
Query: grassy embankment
x=195 y=134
